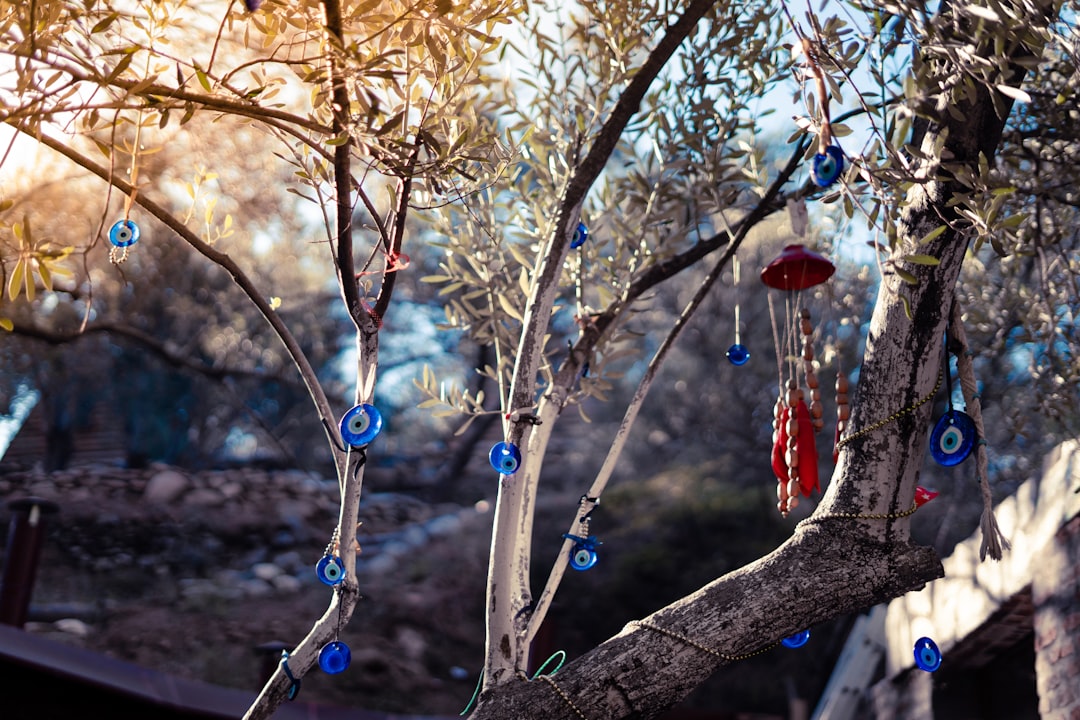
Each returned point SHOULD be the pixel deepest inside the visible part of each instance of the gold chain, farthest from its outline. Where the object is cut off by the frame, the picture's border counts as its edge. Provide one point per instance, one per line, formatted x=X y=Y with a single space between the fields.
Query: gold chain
x=896 y=415
x=860 y=516
x=703 y=648
x=550 y=681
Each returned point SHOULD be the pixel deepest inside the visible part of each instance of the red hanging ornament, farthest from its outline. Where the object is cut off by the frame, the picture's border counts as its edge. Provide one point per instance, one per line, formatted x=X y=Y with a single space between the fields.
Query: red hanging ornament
x=794 y=452
x=923 y=496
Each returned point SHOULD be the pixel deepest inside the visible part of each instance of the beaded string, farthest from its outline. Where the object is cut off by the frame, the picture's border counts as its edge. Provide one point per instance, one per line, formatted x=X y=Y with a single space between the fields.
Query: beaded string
x=859 y=516
x=695 y=644
x=562 y=693
x=896 y=415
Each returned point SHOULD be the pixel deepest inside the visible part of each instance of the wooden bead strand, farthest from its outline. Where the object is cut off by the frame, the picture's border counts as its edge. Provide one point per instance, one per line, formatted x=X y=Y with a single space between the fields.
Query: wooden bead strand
x=843 y=411
x=817 y=411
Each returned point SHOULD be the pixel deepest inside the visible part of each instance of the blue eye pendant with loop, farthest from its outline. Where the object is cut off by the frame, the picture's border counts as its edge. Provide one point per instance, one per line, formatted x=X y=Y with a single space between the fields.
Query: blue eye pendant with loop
x=505 y=458
x=583 y=555
x=927 y=655
x=954 y=435
x=826 y=167
x=360 y=425
x=122 y=235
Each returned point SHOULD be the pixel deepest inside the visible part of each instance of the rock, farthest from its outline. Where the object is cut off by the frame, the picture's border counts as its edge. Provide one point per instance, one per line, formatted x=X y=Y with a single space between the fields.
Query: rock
x=165 y=486
x=255 y=587
x=443 y=525
x=412 y=642
x=290 y=561
x=232 y=490
x=72 y=626
x=204 y=497
x=286 y=583
x=266 y=571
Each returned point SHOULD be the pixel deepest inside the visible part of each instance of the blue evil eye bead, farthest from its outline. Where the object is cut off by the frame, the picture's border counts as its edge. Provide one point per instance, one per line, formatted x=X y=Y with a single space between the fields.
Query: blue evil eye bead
x=330 y=570
x=927 y=655
x=334 y=657
x=583 y=554
x=360 y=425
x=826 y=168
x=738 y=354
x=797 y=640
x=505 y=458
x=124 y=233
x=953 y=438
x=581 y=234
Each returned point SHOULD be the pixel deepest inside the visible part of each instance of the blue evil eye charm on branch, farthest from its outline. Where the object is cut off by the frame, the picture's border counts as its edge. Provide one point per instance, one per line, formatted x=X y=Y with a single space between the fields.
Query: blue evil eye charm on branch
x=797 y=640
x=737 y=354
x=953 y=438
x=581 y=234
x=124 y=233
x=505 y=458
x=360 y=425
x=583 y=555
x=334 y=657
x=826 y=167
x=330 y=570
x=927 y=655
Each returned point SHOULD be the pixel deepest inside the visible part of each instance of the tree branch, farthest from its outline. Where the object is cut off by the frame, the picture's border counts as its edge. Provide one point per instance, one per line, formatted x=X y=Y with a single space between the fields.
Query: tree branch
x=151 y=343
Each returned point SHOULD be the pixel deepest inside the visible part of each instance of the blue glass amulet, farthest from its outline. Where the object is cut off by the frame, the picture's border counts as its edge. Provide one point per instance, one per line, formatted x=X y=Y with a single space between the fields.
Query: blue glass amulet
x=330 y=570
x=953 y=438
x=124 y=233
x=826 y=167
x=737 y=354
x=360 y=425
x=505 y=458
x=927 y=655
x=334 y=657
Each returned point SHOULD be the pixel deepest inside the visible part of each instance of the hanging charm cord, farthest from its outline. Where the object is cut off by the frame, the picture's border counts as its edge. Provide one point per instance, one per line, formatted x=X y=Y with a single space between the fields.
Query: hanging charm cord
x=993 y=541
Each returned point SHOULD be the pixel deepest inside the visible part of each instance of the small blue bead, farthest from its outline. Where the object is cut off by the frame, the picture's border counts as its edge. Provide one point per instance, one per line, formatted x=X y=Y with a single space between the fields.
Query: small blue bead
x=797 y=640
x=334 y=657
x=927 y=655
x=738 y=354
x=826 y=168
x=581 y=234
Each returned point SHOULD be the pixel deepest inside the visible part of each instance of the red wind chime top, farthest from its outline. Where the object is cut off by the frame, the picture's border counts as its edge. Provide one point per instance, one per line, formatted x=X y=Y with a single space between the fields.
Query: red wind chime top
x=797 y=268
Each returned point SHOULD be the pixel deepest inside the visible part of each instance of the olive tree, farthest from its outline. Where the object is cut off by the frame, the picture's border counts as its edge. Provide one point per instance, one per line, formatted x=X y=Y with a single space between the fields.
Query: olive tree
x=489 y=138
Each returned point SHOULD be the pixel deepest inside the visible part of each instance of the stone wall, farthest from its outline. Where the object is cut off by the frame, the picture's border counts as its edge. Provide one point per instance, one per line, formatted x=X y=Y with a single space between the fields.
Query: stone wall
x=1056 y=594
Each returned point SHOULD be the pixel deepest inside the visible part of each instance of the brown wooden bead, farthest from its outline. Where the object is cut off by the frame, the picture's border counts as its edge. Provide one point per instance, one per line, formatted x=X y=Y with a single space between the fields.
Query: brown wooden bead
x=792 y=488
x=793 y=441
x=804 y=313
x=806 y=327
x=841 y=426
x=841 y=399
x=843 y=412
x=811 y=379
x=792 y=503
x=841 y=384
x=816 y=411
x=819 y=424
x=791 y=457
x=815 y=395
x=807 y=352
